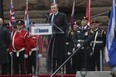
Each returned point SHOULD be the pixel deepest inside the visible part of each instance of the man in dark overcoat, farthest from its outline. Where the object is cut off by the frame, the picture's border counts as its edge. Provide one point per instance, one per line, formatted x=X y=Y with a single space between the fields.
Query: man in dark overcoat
x=5 y=40
x=57 y=42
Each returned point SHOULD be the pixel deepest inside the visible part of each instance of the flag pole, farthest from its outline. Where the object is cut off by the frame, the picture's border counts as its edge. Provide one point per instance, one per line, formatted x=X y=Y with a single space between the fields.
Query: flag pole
x=11 y=27
x=88 y=12
x=72 y=16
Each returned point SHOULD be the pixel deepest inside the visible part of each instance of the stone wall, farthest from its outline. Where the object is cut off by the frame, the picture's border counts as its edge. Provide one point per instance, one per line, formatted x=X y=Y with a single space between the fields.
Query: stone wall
x=39 y=8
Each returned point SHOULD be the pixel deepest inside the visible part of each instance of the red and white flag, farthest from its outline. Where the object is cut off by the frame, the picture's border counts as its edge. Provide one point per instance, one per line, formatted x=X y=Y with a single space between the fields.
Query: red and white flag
x=88 y=11
x=12 y=16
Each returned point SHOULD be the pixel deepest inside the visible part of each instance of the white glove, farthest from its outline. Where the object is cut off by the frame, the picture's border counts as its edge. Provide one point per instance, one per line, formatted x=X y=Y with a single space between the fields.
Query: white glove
x=68 y=53
x=78 y=45
x=39 y=55
x=25 y=56
x=10 y=53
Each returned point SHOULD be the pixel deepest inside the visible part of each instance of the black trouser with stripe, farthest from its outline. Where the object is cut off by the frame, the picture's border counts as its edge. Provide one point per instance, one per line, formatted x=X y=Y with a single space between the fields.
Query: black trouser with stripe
x=82 y=60
x=18 y=62
x=31 y=63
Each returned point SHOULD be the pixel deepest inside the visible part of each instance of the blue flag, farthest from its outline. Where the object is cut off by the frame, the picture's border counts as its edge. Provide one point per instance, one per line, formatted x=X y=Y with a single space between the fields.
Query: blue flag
x=110 y=37
x=26 y=17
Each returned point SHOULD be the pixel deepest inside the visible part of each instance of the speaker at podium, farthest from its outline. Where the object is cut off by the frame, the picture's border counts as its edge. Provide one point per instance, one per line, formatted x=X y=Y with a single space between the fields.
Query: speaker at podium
x=52 y=31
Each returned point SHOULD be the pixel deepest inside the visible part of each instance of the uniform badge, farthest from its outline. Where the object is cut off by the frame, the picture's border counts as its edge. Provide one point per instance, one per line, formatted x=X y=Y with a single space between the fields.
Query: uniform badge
x=78 y=31
x=17 y=54
x=86 y=33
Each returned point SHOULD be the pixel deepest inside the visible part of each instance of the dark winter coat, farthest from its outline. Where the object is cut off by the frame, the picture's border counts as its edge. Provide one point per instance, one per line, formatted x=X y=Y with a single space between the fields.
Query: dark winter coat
x=57 y=46
x=5 y=40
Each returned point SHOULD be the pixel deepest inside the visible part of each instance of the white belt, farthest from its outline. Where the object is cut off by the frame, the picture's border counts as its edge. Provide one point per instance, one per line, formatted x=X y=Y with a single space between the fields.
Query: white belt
x=67 y=43
x=80 y=40
x=33 y=49
x=97 y=41
x=17 y=52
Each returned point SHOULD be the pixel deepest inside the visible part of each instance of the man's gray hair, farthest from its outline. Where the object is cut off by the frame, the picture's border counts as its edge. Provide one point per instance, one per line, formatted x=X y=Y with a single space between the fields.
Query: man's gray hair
x=54 y=4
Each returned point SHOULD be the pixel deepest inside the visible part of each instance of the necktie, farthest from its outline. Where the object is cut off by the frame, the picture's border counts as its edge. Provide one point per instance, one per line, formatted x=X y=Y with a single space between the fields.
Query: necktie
x=52 y=19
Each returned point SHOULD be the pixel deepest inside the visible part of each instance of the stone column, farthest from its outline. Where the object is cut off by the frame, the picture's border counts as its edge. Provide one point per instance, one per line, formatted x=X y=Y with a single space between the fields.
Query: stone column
x=1 y=9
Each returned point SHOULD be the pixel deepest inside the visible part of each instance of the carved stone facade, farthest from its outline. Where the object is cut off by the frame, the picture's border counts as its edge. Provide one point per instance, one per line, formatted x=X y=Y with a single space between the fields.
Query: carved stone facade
x=38 y=9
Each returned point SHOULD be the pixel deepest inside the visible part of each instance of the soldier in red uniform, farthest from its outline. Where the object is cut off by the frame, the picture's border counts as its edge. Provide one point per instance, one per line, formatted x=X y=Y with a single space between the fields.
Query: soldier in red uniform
x=31 y=60
x=20 y=44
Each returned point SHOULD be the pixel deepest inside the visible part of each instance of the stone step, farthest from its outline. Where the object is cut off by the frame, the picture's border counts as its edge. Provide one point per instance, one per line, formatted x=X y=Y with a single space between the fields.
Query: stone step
x=99 y=10
x=43 y=66
x=39 y=20
x=32 y=14
x=37 y=16
x=102 y=19
x=42 y=20
x=100 y=3
x=93 y=74
x=20 y=4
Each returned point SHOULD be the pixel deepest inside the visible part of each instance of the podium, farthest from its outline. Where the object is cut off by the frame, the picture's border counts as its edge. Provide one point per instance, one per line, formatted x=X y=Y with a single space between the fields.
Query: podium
x=47 y=29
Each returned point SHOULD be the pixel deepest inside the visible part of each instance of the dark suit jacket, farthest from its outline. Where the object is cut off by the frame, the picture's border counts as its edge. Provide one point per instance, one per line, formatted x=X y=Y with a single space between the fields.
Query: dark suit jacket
x=5 y=40
x=60 y=20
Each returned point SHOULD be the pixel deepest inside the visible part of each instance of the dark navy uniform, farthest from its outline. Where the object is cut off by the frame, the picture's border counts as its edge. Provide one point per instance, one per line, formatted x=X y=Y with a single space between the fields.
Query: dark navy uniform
x=82 y=57
x=69 y=49
x=98 y=45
